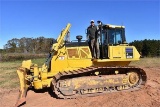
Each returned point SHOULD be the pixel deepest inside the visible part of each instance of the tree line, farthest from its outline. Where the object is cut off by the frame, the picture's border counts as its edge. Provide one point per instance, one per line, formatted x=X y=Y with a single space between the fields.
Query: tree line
x=28 y=45
x=147 y=48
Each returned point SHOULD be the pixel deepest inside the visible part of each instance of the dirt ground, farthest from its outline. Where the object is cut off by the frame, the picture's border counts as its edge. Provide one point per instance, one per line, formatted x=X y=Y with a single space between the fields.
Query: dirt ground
x=149 y=96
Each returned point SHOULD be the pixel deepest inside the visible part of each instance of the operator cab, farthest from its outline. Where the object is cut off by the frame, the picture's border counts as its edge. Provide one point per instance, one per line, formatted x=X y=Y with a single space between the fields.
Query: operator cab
x=110 y=35
x=113 y=35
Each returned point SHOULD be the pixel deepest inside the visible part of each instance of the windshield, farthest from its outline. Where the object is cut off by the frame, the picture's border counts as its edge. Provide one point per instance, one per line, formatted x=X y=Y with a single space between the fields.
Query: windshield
x=114 y=36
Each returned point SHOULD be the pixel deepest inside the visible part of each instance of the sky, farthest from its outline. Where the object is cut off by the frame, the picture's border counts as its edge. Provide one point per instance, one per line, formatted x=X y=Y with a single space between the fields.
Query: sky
x=35 y=18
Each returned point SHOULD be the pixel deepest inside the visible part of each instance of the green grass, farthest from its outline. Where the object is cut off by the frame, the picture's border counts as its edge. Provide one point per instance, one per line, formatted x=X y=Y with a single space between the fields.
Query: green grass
x=40 y=61
x=147 y=62
x=8 y=75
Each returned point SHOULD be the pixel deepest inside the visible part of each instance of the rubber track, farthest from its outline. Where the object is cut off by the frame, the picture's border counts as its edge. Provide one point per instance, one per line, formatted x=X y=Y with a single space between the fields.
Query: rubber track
x=57 y=77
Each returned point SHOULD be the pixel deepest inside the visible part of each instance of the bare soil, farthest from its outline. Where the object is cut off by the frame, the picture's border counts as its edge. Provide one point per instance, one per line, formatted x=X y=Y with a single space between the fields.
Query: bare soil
x=149 y=96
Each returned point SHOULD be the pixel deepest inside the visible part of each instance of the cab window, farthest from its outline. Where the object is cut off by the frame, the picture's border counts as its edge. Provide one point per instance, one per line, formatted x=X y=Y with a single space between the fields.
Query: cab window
x=115 y=36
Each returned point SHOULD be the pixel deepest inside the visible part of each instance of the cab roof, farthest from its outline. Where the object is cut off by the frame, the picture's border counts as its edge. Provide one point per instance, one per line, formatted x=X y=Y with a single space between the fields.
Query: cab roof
x=114 y=26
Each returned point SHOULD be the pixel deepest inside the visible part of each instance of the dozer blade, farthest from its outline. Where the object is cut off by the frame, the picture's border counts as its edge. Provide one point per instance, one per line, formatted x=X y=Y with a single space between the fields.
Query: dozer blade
x=23 y=86
x=22 y=72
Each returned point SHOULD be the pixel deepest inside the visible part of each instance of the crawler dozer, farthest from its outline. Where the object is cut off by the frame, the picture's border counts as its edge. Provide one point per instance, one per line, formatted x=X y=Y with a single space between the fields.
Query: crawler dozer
x=71 y=72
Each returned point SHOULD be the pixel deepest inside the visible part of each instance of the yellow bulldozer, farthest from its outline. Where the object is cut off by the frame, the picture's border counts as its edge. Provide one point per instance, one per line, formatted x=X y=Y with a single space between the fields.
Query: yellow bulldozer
x=70 y=71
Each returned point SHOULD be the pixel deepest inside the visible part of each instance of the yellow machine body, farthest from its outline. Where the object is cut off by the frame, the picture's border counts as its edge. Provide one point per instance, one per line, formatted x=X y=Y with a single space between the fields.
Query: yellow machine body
x=79 y=57
x=65 y=58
